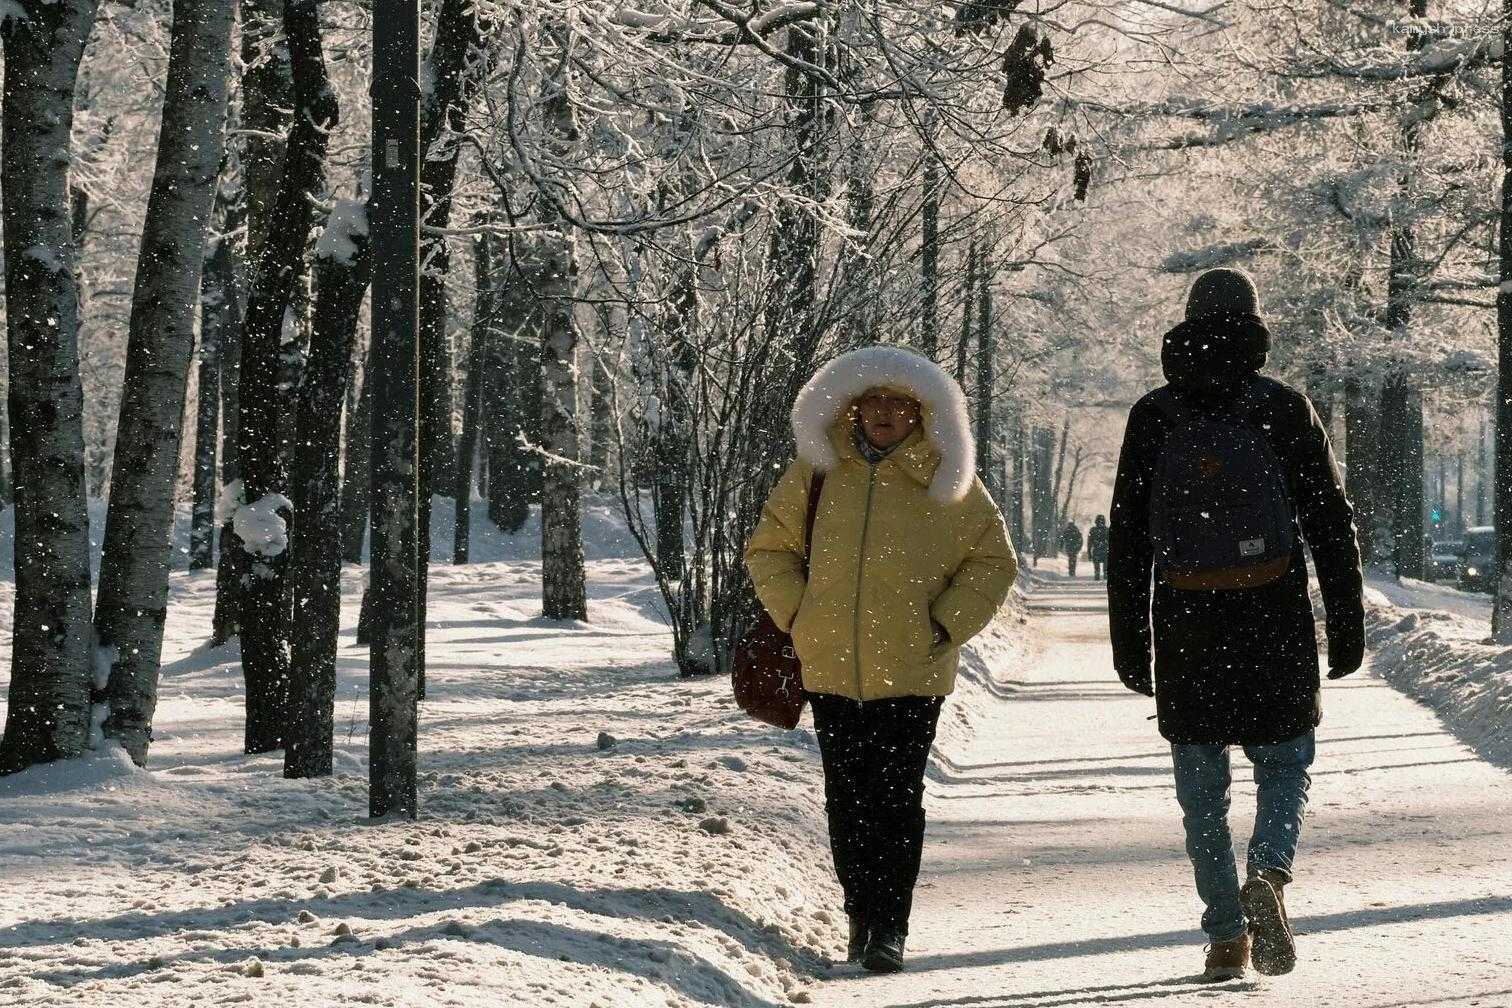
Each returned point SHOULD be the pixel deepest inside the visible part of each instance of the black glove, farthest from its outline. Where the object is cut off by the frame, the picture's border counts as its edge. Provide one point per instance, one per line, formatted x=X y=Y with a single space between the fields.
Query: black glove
x=1139 y=681
x=1346 y=650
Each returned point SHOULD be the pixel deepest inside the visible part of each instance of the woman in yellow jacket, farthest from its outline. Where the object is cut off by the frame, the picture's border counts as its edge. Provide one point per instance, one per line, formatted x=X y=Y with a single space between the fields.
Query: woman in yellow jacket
x=910 y=560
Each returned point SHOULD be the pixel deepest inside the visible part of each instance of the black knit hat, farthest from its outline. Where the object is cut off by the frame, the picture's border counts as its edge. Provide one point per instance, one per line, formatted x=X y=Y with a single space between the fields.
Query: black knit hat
x=1222 y=292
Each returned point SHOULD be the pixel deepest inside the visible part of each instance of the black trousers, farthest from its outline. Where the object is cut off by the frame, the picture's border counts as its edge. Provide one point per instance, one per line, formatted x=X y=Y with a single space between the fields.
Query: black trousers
x=874 y=758
x=1097 y=569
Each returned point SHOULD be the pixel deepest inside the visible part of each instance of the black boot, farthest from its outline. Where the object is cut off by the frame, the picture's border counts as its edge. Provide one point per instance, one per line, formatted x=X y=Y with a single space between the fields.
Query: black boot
x=1264 y=902
x=884 y=951
x=856 y=948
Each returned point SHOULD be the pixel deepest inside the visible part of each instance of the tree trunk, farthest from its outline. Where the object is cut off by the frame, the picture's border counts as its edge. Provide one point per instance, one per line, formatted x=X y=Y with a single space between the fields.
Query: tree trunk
x=229 y=567
x=1362 y=430
x=266 y=97
x=355 y=498
x=1042 y=499
x=929 y=252
x=511 y=401
x=563 y=592
x=1020 y=450
x=133 y=591
x=602 y=422
x=1482 y=466
x=1064 y=510
x=394 y=553
x=1053 y=542
x=479 y=348
x=264 y=453
x=968 y=294
x=674 y=425
x=455 y=67
x=48 y=716
x=342 y=267
x=1501 y=514
x=1459 y=492
x=1400 y=461
x=214 y=290
x=986 y=352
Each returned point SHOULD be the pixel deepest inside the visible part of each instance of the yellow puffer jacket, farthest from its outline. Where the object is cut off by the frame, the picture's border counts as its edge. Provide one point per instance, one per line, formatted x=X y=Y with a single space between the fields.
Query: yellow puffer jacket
x=889 y=555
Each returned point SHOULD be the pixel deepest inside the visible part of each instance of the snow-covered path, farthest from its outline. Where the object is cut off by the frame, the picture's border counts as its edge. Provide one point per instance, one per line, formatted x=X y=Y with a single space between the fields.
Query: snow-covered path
x=1054 y=874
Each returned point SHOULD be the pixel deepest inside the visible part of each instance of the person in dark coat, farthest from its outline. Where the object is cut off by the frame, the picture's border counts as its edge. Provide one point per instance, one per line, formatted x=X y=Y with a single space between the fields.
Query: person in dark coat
x=1071 y=544
x=1235 y=667
x=1097 y=546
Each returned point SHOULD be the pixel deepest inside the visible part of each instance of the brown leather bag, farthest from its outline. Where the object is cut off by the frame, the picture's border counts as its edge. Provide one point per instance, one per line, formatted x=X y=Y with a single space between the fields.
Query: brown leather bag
x=768 y=678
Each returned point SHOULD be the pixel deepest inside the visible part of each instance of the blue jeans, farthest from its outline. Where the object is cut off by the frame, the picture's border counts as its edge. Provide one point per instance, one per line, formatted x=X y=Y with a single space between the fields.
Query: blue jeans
x=1202 y=788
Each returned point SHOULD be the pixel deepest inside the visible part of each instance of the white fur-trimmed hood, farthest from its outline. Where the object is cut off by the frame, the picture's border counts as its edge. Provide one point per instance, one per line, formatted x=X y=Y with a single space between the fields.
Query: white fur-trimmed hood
x=839 y=383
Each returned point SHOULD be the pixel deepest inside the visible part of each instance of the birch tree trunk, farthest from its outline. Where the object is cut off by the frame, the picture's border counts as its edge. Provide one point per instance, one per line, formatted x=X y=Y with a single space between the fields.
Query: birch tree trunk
x=265 y=464
x=48 y=716
x=132 y=602
x=342 y=267
x=563 y=592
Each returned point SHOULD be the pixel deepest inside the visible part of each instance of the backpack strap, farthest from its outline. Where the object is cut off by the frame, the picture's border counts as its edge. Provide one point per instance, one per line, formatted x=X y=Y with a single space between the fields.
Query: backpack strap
x=816 y=488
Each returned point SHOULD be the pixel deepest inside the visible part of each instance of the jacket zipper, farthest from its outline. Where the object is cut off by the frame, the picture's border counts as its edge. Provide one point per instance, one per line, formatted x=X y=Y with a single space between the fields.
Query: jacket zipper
x=871 y=481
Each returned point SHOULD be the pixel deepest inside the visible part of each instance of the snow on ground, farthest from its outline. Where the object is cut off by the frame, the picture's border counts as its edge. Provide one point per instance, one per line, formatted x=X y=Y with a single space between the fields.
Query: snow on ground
x=1446 y=660
x=597 y=832
x=1054 y=874
x=672 y=860
x=1410 y=593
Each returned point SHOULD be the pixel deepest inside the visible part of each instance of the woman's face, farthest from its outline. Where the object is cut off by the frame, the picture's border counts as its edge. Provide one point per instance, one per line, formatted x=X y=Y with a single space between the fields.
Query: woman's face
x=885 y=419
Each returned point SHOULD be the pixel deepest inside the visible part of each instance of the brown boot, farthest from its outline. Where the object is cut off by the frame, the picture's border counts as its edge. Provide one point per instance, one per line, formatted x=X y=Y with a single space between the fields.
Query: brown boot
x=1227 y=960
x=1264 y=903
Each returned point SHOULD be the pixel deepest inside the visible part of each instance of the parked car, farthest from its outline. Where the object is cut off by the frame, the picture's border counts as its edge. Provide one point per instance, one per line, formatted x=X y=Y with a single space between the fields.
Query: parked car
x=1478 y=559
x=1444 y=560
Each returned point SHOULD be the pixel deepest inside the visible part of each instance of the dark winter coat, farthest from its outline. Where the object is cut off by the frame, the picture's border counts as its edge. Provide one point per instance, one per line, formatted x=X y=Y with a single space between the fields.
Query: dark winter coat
x=1236 y=666
x=1071 y=540
x=1097 y=543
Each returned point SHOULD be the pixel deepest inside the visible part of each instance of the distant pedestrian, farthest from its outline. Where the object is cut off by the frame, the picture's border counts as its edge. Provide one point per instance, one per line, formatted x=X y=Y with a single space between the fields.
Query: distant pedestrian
x=1097 y=546
x=910 y=560
x=1219 y=470
x=1070 y=543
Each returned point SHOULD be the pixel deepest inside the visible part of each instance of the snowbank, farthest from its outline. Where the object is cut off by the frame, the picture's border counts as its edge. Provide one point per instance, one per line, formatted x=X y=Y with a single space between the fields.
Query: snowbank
x=1446 y=661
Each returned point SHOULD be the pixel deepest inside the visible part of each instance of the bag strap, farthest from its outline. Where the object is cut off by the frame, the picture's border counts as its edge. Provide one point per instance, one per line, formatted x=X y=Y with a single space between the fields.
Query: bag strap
x=816 y=487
